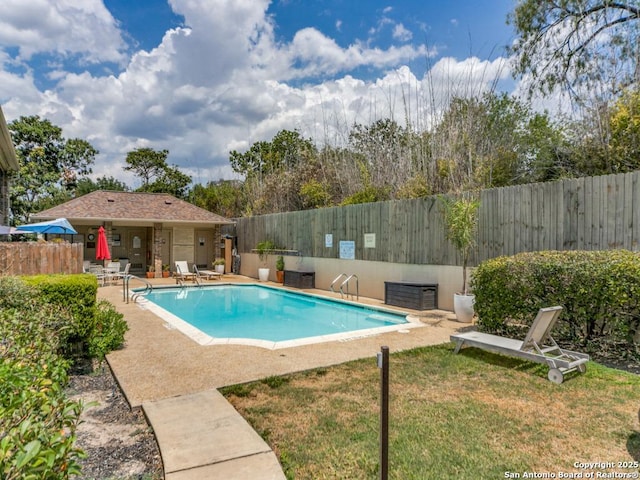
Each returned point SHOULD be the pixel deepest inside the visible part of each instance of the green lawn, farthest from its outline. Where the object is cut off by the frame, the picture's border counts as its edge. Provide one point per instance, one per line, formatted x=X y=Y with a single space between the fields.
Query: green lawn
x=472 y=415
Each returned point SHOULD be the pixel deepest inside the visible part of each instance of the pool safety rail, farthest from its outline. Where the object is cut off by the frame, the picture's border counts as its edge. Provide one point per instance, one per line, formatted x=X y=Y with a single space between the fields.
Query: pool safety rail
x=345 y=282
x=125 y=288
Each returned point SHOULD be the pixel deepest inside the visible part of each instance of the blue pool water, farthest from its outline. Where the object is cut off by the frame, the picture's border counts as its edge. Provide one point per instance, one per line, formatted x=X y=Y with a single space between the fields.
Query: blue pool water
x=263 y=313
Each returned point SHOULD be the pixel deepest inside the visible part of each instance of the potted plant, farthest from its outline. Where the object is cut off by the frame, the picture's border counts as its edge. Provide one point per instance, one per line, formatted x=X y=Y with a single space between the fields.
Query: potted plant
x=151 y=271
x=218 y=265
x=165 y=271
x=280 y=269
x=264 y=248
x=461 y=223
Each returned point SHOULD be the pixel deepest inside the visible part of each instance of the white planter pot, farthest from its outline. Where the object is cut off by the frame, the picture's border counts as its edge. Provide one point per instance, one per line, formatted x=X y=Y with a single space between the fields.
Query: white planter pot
x=263 y=274
x=463 y=307
x=219 y=268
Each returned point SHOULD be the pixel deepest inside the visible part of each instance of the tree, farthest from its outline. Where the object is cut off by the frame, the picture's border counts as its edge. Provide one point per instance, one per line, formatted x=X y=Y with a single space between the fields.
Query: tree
x=225 y=197
x=492 y=141
x=157 y=177
x=275 y=170
x=49 y=165
x=624 y=123
x=86 y=185
x=146 y=163
x=576 y=43
x=286 y=150
x=384 y=146
x=608 y=140
x=170 y=180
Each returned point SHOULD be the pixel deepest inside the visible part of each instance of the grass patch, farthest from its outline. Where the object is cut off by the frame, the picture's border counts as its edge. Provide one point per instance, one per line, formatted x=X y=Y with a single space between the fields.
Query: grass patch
x=472 y=415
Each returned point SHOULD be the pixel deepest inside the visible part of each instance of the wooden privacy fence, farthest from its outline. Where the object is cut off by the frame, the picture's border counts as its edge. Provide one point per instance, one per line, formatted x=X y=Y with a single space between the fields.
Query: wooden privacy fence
x=592 y=213
x=33 y=258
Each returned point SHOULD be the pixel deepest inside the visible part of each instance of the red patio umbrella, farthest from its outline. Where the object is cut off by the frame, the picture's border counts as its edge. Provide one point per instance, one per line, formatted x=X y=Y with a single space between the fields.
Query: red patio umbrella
x=102 y=250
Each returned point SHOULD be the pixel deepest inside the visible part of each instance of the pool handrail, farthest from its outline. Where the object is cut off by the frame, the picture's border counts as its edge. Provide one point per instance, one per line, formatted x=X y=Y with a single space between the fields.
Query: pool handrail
x=125 y=288
x=346 y=282
x=336 y=281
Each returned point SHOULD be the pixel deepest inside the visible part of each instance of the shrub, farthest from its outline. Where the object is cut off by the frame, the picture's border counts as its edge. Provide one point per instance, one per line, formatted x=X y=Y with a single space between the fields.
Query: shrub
x=108 y=330
x=600 y=293
x=37 y=421
x=27 y=317
x=74 y=293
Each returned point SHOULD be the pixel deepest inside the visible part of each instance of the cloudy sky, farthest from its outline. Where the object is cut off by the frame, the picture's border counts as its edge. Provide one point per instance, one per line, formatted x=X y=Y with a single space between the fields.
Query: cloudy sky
x=203 y=77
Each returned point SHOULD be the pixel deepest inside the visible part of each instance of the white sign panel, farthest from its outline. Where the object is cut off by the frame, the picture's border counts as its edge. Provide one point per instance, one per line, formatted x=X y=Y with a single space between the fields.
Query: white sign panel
x=328 y=240
x=369 y=240
x=348 y=249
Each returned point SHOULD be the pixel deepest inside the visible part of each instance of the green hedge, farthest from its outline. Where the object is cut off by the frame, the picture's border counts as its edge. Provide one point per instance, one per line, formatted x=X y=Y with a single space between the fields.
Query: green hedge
x=75 y=293
x=600 y=293
x=40 y=317
x=37 y=421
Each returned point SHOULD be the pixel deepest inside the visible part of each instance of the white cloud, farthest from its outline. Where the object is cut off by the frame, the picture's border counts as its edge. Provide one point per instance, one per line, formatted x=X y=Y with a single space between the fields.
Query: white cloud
x=220 y=83
x=65 y=27
x=401 y=33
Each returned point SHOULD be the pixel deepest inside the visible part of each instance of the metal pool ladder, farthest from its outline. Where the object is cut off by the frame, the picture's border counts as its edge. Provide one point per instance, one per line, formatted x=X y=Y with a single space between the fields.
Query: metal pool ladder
x=347 y=279
x=125 y=288
x=336 y=281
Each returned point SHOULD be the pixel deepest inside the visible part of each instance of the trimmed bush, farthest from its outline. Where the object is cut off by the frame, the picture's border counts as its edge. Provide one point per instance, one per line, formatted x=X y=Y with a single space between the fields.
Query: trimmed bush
x=76 y=293
x=37 y=421
x=600 y=293
x=40 y=317
x=108 y=330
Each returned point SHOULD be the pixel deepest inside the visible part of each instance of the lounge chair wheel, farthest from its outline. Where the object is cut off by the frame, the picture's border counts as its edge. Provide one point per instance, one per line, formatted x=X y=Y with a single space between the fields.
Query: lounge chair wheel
x=555 y=375
x=582 y=368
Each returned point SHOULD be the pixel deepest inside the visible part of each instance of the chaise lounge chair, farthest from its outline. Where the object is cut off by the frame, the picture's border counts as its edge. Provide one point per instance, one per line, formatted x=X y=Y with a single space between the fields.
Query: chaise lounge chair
x=206 y=274
x=182 y=272
x=538 y=346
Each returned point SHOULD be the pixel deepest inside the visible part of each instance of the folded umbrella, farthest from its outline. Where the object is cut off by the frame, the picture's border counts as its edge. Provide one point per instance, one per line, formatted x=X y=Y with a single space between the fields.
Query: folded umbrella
x=102 y=249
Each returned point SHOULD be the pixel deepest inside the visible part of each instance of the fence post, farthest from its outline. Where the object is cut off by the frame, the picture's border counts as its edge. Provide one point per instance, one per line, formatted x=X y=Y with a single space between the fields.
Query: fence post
x=383 y=365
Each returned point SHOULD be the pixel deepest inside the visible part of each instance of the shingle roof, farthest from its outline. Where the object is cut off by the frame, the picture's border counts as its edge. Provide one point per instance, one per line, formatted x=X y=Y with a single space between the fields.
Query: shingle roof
x=8 y=159
x=103 y=205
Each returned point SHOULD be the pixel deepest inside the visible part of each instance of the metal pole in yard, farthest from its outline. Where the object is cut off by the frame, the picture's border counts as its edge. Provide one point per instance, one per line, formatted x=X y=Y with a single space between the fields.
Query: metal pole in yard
x=383 y=365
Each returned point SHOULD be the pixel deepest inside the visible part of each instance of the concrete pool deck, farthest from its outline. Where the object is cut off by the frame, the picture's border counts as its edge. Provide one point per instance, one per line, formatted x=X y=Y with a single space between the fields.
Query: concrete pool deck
x=174 y=380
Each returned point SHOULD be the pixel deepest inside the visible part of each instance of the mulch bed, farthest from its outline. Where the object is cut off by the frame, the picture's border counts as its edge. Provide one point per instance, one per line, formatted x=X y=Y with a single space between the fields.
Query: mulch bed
x=130 y=451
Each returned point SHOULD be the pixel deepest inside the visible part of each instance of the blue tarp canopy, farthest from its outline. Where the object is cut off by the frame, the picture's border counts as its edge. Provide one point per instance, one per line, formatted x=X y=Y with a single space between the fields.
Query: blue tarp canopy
x=59 y=225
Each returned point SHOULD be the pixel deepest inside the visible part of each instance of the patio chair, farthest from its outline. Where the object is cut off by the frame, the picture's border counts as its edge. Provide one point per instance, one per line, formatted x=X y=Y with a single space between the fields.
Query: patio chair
x=182 y=272
x=206 y=274
x=537 y=346
x=120 y=275
x=111 y=270
x=98 y=271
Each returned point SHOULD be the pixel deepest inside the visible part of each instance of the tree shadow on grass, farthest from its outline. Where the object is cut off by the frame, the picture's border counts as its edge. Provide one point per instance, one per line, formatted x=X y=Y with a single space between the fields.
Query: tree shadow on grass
x=633 y=445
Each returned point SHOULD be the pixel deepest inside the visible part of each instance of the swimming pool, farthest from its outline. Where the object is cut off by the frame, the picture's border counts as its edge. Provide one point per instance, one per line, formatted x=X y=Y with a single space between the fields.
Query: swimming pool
x=266 y=316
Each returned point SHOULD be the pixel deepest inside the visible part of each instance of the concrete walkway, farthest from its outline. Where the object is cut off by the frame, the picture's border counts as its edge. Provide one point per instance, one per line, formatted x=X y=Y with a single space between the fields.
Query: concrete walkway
x=202 y=437
x=174 y=380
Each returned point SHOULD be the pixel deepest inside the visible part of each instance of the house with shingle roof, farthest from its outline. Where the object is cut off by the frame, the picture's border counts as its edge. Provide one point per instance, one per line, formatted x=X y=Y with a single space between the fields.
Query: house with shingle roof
x=145 y=229
x=8 y=165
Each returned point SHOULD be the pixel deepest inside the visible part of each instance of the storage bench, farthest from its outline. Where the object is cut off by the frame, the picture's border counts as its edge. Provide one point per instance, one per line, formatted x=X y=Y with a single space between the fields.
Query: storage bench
x=417 y=296
x=299 y=279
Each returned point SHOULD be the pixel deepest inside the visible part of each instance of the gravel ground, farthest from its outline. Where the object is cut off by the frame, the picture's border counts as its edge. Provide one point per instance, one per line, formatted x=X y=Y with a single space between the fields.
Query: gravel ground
x=117 y=440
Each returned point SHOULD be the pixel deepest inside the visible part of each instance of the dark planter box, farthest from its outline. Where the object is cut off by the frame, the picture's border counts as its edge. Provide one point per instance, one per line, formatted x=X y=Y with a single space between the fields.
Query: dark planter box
x=294 y=278
x=417 y=296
